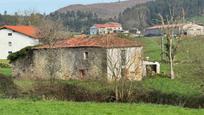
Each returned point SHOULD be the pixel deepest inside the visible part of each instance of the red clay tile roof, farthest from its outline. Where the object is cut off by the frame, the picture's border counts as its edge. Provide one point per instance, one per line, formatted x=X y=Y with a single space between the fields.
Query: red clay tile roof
x=26 y=30
x=108 y=25
x=105 y=41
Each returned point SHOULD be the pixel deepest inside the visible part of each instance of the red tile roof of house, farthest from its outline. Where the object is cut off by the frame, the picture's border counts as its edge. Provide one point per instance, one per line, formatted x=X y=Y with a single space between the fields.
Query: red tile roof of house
x=103 y=41
x=26 y=30
x=108 y=25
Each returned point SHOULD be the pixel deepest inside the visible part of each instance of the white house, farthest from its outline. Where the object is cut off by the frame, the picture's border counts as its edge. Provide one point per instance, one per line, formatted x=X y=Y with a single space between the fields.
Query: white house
x=107 y=28
x=14 y=38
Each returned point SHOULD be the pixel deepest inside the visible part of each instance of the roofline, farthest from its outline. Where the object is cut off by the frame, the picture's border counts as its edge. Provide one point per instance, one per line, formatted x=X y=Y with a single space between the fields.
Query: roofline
x=89 y=47
x=18 y=32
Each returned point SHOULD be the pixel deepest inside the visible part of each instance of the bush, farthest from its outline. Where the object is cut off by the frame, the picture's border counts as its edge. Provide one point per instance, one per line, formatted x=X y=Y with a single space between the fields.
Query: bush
x=83 y=91
x=4 y=65
x=70 y=91
x=20 y=54
x=7 y=87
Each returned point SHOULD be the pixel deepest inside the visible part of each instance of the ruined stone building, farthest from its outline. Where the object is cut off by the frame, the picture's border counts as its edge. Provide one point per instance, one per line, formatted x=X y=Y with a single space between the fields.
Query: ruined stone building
x=88 y=57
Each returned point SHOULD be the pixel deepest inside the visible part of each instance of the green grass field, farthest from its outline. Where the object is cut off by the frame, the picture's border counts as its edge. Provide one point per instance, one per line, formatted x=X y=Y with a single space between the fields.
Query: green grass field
x=197 y=19
x=189 y=66
x=25 y=107
x=5 y=71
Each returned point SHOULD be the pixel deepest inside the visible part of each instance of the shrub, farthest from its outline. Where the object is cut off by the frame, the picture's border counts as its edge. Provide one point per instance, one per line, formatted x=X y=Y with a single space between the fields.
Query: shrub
x=7 y=87
x=4 y=65
x=19 y=54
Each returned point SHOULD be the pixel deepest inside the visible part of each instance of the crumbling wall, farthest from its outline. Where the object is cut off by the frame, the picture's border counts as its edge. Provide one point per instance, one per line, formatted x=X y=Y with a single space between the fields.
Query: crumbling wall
x=66 y=63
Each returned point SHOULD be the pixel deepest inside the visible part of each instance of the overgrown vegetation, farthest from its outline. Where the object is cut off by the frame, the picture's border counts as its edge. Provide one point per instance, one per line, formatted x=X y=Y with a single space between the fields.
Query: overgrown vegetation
x=19 y=54
x=5 y=68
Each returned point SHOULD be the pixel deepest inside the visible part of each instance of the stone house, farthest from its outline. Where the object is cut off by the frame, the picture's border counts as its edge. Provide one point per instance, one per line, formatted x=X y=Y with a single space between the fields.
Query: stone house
x=87 y=57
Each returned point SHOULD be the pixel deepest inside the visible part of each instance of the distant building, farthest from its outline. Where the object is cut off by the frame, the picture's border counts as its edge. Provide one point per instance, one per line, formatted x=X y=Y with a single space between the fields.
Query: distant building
x=87 y=57
x=107 y=28
x=14 y=38
x=190 y=29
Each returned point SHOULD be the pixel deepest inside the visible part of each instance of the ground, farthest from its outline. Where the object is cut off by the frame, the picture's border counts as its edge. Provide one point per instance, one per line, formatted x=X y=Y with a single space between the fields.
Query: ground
x=25 y=107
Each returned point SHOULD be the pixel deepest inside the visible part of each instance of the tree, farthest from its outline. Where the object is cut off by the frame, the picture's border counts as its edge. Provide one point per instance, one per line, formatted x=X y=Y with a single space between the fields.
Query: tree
x=171 y=31
x=29 y=18
x=124 y=65
x=50 y=32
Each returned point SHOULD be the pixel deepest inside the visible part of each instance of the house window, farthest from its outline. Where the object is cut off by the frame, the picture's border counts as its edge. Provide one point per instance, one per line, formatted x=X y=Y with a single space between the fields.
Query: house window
x=9 y=34
x=123 y=57
x=10 y=43
x=10 y=52
x=86 y=55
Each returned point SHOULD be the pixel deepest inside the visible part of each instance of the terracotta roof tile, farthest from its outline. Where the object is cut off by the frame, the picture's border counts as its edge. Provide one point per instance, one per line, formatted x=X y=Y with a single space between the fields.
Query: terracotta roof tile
x=105 y=41
x=108 y=25
x=26 y=30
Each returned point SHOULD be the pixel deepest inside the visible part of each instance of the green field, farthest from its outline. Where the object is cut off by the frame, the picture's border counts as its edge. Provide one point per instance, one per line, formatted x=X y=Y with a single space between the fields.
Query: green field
x=197 y=19
x=188 y=67
x=25 y=107
x=5 y=71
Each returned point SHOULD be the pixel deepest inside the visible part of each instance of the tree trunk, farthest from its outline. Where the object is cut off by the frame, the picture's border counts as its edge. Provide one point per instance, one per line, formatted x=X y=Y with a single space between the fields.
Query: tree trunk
x=116 y=91
x=162 y=48
x=171 y=59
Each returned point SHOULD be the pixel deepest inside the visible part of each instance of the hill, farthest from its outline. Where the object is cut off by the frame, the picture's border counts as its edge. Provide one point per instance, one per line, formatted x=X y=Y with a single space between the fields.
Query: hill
x=103 y=10
x=141 y=16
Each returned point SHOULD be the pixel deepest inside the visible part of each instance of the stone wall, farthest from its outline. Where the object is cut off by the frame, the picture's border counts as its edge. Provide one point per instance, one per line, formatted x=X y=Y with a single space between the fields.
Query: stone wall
x=132 y=67
x=80 y=64
x=66 y=63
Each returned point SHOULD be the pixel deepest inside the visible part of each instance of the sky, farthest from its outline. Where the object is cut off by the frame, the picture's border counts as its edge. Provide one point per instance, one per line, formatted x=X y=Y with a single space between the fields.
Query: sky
x=43 y=6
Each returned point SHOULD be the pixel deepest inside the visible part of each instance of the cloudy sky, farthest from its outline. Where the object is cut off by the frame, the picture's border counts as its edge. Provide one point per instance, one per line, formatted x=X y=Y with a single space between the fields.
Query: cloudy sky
x=47 y=6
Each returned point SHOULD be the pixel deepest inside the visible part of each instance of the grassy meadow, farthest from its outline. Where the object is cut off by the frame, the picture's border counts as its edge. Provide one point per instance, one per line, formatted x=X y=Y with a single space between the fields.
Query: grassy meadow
x=5 y=70
x=27 y=107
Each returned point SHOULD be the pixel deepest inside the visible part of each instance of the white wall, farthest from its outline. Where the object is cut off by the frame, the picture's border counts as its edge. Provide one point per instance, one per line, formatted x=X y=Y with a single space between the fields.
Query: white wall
x=18 y=41
x=101 y=31
x=93 y=30
x=133 y=62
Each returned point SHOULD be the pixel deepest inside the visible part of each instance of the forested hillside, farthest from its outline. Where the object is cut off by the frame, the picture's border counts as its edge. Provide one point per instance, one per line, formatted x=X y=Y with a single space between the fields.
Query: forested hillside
x=77 y=21
x=147 y=14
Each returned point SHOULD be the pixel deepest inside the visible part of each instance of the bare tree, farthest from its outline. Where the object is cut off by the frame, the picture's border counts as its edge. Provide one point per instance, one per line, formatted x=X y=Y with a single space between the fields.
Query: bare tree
x=50 y=32
x=29 y=17
x=124 y=65
x=170 y=31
